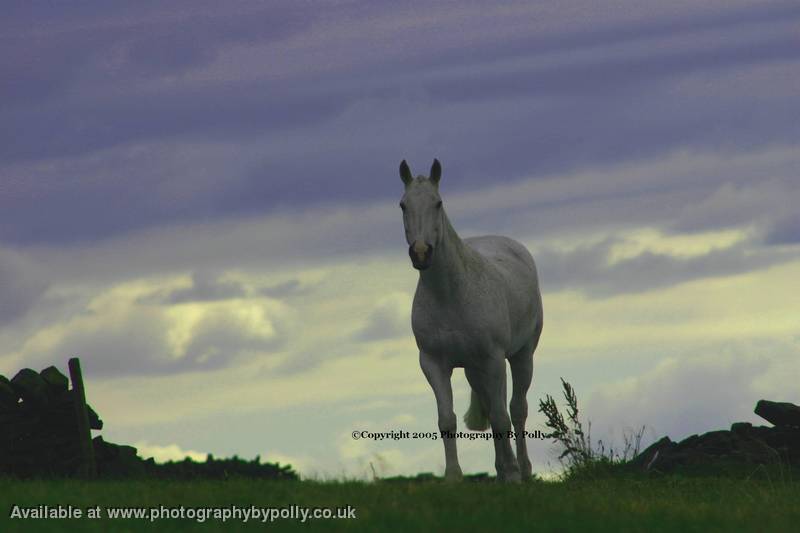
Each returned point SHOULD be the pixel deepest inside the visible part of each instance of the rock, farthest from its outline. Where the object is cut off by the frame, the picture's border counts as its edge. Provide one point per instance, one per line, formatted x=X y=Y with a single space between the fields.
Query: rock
x=716 y=443
x=723 y=451
x=55 y=379
x=779 y=413
x=741 y=428
x=94 y=419
x=754 y=451
x=785 y=440
x=31 y=387
x=689 y=442
x=649 y=457
x=115 y=460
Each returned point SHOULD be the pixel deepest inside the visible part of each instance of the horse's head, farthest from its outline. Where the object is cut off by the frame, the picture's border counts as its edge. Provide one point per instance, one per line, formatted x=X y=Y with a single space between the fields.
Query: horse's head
x=422 y=214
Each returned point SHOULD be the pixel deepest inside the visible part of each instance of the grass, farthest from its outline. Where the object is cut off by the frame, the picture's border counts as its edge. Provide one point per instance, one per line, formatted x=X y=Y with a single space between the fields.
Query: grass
x=612 y=504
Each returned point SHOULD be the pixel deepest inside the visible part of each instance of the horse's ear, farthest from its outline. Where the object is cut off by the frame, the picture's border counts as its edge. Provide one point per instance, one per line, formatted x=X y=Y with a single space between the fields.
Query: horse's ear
x=436 y=171
x=405 y=173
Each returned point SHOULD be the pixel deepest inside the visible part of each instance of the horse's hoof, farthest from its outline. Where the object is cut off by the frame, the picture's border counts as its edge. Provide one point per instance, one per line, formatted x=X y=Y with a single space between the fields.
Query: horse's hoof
x=453 y=476
x=511 y=477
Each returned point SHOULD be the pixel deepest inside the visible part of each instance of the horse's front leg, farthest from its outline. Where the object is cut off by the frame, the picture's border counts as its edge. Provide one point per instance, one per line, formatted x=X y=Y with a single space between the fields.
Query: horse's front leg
x=438 y=375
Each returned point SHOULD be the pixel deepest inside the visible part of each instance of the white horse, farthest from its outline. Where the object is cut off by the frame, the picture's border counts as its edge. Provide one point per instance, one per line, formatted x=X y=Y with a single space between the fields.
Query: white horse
x=477 y=304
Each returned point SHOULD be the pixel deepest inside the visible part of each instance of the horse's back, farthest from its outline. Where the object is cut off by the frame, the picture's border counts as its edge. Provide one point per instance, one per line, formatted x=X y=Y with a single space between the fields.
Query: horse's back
x=504 y=253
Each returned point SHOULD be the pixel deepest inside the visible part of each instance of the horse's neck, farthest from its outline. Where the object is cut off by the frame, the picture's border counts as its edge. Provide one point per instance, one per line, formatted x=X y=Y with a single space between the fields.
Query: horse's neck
x=448 y=274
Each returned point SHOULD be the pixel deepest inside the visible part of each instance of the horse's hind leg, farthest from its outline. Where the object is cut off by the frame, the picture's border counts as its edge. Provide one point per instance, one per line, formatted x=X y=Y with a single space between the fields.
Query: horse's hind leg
x=439 y=378
x=489 y=381
x=521 y=375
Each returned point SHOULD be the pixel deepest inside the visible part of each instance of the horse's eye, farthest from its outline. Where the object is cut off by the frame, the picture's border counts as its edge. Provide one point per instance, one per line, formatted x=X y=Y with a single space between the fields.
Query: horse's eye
x=402 y=206
x=439 y=204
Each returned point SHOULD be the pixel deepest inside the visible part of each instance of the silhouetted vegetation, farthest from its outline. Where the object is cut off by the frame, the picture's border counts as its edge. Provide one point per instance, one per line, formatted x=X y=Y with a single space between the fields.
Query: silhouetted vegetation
x=233 y=467
x=428 y=477
x=581 y=457
x=120 y=462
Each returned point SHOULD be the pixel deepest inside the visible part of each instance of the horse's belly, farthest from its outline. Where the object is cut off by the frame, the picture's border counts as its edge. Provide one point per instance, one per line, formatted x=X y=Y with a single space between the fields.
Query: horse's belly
x=454 y=346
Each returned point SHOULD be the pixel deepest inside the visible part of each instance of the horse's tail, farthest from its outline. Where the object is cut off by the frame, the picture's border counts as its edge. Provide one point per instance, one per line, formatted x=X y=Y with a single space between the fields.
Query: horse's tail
x=475 y=418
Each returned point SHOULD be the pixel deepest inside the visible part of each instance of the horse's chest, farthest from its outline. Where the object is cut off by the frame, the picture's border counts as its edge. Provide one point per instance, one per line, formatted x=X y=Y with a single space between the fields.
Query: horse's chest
x=438 y=336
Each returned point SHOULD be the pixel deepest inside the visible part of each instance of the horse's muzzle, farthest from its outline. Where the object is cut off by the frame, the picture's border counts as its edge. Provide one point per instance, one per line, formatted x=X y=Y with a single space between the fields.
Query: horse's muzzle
x=421 y=254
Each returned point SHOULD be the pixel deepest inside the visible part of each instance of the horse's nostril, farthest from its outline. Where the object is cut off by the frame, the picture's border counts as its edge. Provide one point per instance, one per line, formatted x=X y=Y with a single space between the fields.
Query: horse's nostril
x=421 y=253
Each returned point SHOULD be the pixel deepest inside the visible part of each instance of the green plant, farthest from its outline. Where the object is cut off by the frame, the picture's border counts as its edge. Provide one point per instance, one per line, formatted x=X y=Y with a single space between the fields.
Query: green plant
x=580 y=456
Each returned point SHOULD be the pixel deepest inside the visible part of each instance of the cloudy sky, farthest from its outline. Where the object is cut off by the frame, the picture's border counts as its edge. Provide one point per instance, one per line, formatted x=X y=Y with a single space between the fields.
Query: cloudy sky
x=199 y=199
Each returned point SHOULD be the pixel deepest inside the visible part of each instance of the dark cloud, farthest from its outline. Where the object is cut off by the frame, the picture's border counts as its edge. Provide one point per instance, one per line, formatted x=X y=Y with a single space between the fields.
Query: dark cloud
x=20 y=286
x=292 y=287
x=386 y=321
x=193 y=40
x=600 y=78
x=137 y=342
x=255 y=244
x=573 y=96
x=195 y=112
x=619 y=30
x=135 y=346
x=48 y=52
x=219 y=340
x=588 y=268
x=206 y=287
x=761 y=194
x=786 y=230
x=305 y=360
